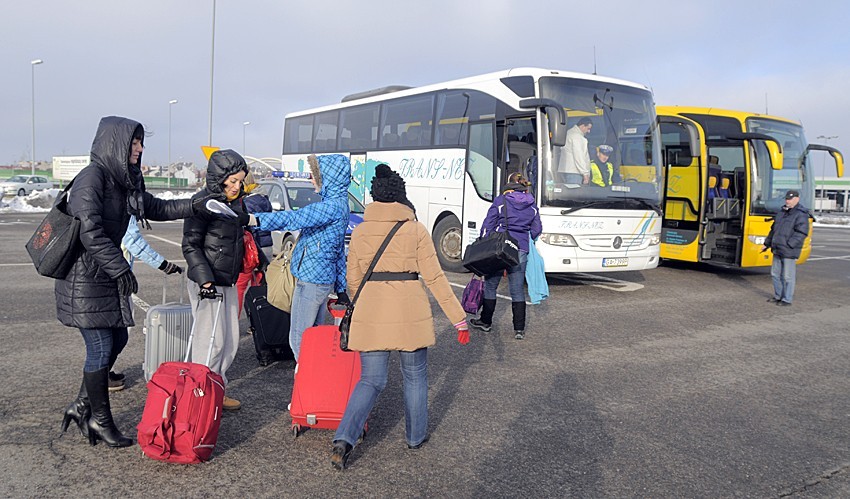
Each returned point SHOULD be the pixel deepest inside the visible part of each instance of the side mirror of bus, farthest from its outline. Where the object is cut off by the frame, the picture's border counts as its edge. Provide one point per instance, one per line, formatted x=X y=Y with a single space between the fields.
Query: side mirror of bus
x=775 y=154
x=835 y=153
x=557 y=126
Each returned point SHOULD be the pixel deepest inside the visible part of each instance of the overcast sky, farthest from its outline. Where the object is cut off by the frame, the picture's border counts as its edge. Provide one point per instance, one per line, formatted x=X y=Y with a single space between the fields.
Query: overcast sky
x=108 y=57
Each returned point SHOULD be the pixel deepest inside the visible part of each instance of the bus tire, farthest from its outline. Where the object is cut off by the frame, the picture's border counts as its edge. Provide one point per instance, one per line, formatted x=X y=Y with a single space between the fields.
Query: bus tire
x=448 y=241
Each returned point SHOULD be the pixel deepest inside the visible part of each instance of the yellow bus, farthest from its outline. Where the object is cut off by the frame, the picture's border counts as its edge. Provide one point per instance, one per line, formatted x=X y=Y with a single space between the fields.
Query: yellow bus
x=725 y=177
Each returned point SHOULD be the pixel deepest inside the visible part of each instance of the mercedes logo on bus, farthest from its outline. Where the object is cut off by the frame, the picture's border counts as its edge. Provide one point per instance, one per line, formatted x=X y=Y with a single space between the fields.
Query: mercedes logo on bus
x=618 y=241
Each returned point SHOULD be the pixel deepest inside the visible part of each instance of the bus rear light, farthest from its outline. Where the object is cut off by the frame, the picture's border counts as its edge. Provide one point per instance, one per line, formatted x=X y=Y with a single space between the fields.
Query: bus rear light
x=559 y=239
x=757 y=240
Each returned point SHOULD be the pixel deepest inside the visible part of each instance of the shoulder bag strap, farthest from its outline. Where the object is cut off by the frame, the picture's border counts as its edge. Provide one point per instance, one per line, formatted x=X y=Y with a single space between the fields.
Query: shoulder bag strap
x=505 y=212
x=375 y=260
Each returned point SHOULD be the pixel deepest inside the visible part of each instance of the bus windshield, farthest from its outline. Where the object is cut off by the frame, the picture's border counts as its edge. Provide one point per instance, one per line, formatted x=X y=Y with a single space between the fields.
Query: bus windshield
x=769 y=185
x=622 y=123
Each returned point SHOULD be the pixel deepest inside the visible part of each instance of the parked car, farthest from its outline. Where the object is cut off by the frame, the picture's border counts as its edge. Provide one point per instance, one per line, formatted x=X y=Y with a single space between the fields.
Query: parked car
x=23 y=185
x=293 y=190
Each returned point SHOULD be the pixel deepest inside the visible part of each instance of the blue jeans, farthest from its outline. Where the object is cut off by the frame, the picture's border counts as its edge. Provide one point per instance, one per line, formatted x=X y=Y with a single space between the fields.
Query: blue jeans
x=308 y=310
x=516 y=281
x=784 y=274
x=373 y=379
x=103 y=346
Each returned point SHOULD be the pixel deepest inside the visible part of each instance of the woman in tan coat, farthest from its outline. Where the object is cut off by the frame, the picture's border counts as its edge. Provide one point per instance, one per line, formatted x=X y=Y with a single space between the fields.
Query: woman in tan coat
x=393 y=311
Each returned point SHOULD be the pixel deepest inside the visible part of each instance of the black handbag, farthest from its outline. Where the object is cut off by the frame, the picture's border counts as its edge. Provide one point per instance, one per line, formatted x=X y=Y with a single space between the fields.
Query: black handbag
x=345 y=323
x=54 y=246
x=492 y=253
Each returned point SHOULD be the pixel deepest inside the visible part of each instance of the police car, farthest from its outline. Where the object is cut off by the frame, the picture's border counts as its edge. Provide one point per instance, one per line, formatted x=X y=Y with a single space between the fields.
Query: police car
x=292 y=191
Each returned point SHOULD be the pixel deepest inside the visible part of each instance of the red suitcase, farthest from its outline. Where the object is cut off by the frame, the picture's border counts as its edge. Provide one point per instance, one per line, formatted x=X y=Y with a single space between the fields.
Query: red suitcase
x=325 y=376
x=182 y=413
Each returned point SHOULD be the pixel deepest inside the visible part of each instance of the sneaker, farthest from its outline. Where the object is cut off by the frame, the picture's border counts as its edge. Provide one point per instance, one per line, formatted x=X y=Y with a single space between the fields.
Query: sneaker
x=339 y=456
x=230 y=404
x=519 y=335
x=773 y=300
x=783 y=304
x=116 y=382
x=479 y=324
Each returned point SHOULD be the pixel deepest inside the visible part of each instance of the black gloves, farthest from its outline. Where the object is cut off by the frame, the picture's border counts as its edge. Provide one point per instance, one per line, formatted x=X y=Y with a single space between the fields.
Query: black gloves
x=247 y=220
x=342 y=299
x=170 y=268
x=199 y=204
x=127 y=283
x=207 y=293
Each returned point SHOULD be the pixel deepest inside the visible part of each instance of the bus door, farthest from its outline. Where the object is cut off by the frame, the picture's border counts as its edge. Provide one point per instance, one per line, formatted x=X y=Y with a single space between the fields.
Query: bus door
x=520 y=149
x=683 y=226
x=479 y=186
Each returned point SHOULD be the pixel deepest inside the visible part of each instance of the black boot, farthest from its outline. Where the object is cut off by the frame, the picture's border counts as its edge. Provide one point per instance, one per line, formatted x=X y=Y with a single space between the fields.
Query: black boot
x=518 y=309
x=79 y=411
x=485 y=321
x=101 y=424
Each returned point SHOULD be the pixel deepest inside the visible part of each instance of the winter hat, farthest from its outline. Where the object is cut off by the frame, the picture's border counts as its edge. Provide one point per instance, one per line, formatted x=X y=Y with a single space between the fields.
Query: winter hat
x=388 y=187
x=313 y=161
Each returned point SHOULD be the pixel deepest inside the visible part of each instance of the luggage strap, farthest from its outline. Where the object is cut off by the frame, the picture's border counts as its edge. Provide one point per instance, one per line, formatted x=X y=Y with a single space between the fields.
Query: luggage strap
x=394 y=276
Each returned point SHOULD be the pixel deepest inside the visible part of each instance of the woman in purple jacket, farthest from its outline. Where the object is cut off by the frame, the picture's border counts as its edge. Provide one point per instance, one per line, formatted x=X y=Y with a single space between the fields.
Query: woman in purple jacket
x=523 y=218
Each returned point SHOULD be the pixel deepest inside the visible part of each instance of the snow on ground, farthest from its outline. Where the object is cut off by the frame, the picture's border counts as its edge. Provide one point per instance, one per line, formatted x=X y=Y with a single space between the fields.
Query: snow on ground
x=41 y=201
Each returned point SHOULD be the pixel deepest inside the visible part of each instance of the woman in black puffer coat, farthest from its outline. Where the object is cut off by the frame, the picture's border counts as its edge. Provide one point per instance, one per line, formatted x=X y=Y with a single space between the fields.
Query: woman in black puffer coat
x=214 y=248
x=94 y=296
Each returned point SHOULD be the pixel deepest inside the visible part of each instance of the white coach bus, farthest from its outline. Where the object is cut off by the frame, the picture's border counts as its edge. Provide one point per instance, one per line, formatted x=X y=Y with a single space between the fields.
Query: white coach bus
x=456 y=143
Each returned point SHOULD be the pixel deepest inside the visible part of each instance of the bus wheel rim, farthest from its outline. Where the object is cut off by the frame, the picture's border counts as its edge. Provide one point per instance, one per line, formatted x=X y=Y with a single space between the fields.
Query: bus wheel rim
x=450 y=244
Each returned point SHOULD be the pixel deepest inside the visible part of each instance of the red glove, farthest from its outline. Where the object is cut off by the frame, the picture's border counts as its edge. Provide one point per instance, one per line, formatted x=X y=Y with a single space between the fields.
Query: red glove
x=462 y=332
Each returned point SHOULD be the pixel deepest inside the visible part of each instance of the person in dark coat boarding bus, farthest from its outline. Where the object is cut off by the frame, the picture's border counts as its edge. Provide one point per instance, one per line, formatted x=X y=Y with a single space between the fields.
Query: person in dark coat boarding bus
x=93 y=297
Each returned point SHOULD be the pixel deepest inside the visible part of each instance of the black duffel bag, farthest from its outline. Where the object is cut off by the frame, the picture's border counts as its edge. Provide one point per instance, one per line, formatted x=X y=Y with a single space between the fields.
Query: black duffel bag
x=55 y=244
x=493 y=252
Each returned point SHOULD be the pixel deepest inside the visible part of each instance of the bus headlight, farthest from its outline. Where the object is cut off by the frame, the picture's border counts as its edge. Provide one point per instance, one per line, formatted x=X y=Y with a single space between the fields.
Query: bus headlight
x=655 y=240
x=558 y=239
x=757 y=240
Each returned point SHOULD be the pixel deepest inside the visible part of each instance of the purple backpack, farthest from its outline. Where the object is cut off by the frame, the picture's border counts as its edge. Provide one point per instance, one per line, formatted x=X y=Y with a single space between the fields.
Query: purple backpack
x=473 y=295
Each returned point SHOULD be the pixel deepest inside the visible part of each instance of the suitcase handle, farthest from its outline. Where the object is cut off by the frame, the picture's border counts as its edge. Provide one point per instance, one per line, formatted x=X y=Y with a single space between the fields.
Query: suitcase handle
x=220 y=297
x=336 y=311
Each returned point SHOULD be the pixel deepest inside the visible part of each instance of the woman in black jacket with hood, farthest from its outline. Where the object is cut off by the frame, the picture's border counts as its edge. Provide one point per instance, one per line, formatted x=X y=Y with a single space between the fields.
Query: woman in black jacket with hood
x=214 y=248
x=94 y=296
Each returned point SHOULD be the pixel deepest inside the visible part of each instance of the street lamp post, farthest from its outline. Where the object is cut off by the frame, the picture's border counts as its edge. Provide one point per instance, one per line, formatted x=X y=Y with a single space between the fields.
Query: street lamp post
x=244 y=126
x=168 y=175
x=33 y=64
x=826 y=140
x=212 y=71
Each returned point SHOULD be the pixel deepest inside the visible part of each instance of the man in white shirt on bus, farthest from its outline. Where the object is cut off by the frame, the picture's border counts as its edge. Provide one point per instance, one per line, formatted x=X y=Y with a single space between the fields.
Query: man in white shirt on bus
x=574 y=164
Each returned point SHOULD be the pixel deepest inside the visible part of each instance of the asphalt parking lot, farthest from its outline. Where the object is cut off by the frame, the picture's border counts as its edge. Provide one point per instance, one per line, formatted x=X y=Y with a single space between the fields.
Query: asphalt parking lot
x=676 y=382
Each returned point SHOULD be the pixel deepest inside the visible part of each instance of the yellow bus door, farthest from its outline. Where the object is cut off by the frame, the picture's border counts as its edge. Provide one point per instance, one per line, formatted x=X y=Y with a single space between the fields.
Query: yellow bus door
x=681 y=230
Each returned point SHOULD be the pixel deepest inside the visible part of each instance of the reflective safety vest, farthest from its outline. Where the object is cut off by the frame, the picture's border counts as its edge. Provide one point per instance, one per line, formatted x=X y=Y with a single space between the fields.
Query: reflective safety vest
x=596 y=174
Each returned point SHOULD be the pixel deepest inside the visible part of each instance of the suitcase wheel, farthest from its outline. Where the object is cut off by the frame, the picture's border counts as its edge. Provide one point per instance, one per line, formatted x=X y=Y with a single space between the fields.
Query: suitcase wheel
x=296 y=430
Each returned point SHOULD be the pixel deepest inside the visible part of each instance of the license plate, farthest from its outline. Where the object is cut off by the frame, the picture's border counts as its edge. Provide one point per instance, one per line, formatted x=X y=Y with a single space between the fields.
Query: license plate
x=615 y=262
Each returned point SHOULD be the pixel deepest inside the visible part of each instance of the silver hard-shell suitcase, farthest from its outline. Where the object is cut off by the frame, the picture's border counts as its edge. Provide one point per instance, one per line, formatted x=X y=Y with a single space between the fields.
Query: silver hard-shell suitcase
x=167 y=329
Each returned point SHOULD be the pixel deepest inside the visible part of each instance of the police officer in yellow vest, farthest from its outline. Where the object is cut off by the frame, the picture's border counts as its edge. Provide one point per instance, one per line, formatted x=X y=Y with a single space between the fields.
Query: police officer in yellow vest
x=601 y=171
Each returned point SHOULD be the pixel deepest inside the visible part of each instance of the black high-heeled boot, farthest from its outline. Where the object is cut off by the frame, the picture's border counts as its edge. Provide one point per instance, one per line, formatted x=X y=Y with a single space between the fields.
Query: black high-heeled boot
x=101 y=425
x=78 y=411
